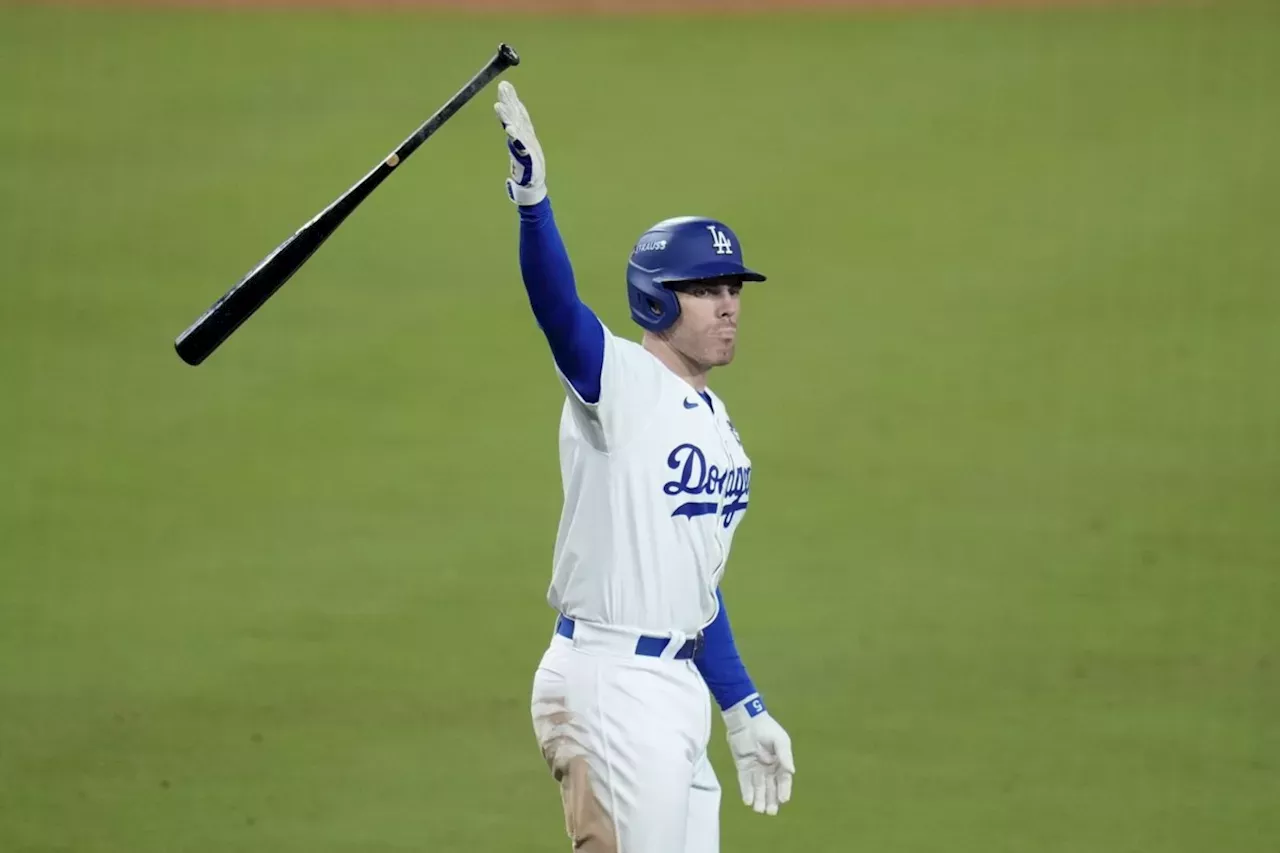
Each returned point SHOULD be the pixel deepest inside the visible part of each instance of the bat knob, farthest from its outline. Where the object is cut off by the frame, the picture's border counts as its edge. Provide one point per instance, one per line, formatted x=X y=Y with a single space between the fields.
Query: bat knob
x=508 y=56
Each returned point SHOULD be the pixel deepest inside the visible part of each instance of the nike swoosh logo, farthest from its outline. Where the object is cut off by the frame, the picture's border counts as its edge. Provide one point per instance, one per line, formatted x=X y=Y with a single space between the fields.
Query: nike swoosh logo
x=689 y=405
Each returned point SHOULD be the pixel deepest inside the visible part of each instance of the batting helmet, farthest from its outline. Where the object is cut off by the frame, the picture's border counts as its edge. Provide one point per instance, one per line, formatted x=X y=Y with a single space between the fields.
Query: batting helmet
x=686 y=248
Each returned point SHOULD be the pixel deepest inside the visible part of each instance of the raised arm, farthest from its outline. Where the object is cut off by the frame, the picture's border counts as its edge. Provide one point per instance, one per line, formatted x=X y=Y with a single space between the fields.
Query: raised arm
x=573 y=331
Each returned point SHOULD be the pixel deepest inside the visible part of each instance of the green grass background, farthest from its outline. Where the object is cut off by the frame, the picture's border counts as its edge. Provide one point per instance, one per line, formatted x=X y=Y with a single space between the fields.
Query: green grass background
x=1010 y=576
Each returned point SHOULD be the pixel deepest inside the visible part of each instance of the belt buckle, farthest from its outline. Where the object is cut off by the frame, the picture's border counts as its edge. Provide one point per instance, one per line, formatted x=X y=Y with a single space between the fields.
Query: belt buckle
x=699 y=640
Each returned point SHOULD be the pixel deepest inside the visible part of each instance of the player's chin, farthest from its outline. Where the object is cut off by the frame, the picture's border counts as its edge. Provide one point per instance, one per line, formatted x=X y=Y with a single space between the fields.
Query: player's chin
x=721 y=354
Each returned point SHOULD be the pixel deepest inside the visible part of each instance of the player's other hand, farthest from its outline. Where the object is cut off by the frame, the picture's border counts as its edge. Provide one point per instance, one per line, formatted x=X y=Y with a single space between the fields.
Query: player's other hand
x=528 y=182
x=762 y=753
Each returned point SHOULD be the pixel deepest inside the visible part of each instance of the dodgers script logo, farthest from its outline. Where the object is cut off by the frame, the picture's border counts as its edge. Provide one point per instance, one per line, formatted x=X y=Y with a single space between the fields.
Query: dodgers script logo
x=694 y=477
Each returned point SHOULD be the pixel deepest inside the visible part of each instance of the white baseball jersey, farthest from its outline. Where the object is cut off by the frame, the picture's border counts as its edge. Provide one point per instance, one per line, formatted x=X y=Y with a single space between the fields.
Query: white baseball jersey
x=655 y=482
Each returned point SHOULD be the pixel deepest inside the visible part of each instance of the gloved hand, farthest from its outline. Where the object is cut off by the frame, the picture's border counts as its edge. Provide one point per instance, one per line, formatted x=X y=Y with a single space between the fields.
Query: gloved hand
x=762 y=753
x=528 y=182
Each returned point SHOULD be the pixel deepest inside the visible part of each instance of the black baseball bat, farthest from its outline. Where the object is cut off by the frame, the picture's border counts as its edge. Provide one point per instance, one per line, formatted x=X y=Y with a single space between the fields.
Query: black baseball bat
x=214 y=326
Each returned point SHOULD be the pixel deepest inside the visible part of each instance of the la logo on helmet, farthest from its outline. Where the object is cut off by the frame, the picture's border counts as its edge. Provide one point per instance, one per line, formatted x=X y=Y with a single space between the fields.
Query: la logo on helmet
x=723 y=245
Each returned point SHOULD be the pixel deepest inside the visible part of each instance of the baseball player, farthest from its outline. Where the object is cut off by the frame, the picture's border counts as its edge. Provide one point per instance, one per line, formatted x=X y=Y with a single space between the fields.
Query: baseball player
x=656 y=482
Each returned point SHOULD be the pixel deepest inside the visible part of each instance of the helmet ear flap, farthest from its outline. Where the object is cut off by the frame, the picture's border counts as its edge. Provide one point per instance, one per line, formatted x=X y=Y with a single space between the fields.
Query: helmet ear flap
x=653 y=306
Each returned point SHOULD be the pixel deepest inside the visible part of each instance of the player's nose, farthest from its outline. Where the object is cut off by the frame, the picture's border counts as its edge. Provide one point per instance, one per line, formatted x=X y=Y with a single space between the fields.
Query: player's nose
x=727 y=306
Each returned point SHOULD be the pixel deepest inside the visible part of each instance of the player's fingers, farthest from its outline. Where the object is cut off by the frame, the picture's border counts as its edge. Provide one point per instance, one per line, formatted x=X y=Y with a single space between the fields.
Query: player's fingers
x=504 y=116
x=744 y=783
x=522 y=112
x=785 y=758
x=770 y=794
x=758 y=790
x=784 y=787
x=507 y=93
x=511 y=121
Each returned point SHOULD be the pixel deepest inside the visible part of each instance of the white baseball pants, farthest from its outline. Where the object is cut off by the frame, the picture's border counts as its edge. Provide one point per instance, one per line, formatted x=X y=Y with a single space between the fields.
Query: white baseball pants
x=626 y=736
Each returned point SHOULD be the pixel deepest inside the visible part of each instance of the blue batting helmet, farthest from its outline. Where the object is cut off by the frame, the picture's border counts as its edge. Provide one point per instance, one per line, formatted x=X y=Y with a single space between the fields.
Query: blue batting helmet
x=686 y=248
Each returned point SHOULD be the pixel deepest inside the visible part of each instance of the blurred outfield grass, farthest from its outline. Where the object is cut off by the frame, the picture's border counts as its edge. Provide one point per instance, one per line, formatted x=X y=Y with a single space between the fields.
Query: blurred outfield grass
x=1010 y=573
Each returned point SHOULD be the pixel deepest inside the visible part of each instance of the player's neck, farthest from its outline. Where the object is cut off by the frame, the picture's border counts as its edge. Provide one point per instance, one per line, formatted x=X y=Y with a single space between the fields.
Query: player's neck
x=690 y=371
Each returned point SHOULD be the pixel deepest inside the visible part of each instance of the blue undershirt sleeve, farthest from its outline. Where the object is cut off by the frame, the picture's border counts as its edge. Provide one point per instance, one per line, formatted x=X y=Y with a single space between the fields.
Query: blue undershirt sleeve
x=720 y=664
x=571 y=328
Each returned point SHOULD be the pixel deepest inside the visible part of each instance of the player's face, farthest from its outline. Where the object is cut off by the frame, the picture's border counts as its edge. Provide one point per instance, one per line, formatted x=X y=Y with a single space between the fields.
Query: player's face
x=707 y=330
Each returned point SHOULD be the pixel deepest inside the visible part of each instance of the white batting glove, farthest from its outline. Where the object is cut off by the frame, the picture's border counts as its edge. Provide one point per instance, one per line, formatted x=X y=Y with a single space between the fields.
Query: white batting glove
x=528 y=182
x=762 y=753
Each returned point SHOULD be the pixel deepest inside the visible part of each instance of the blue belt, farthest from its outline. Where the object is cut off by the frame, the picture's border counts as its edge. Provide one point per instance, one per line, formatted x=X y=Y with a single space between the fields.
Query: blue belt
x=652 y=647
